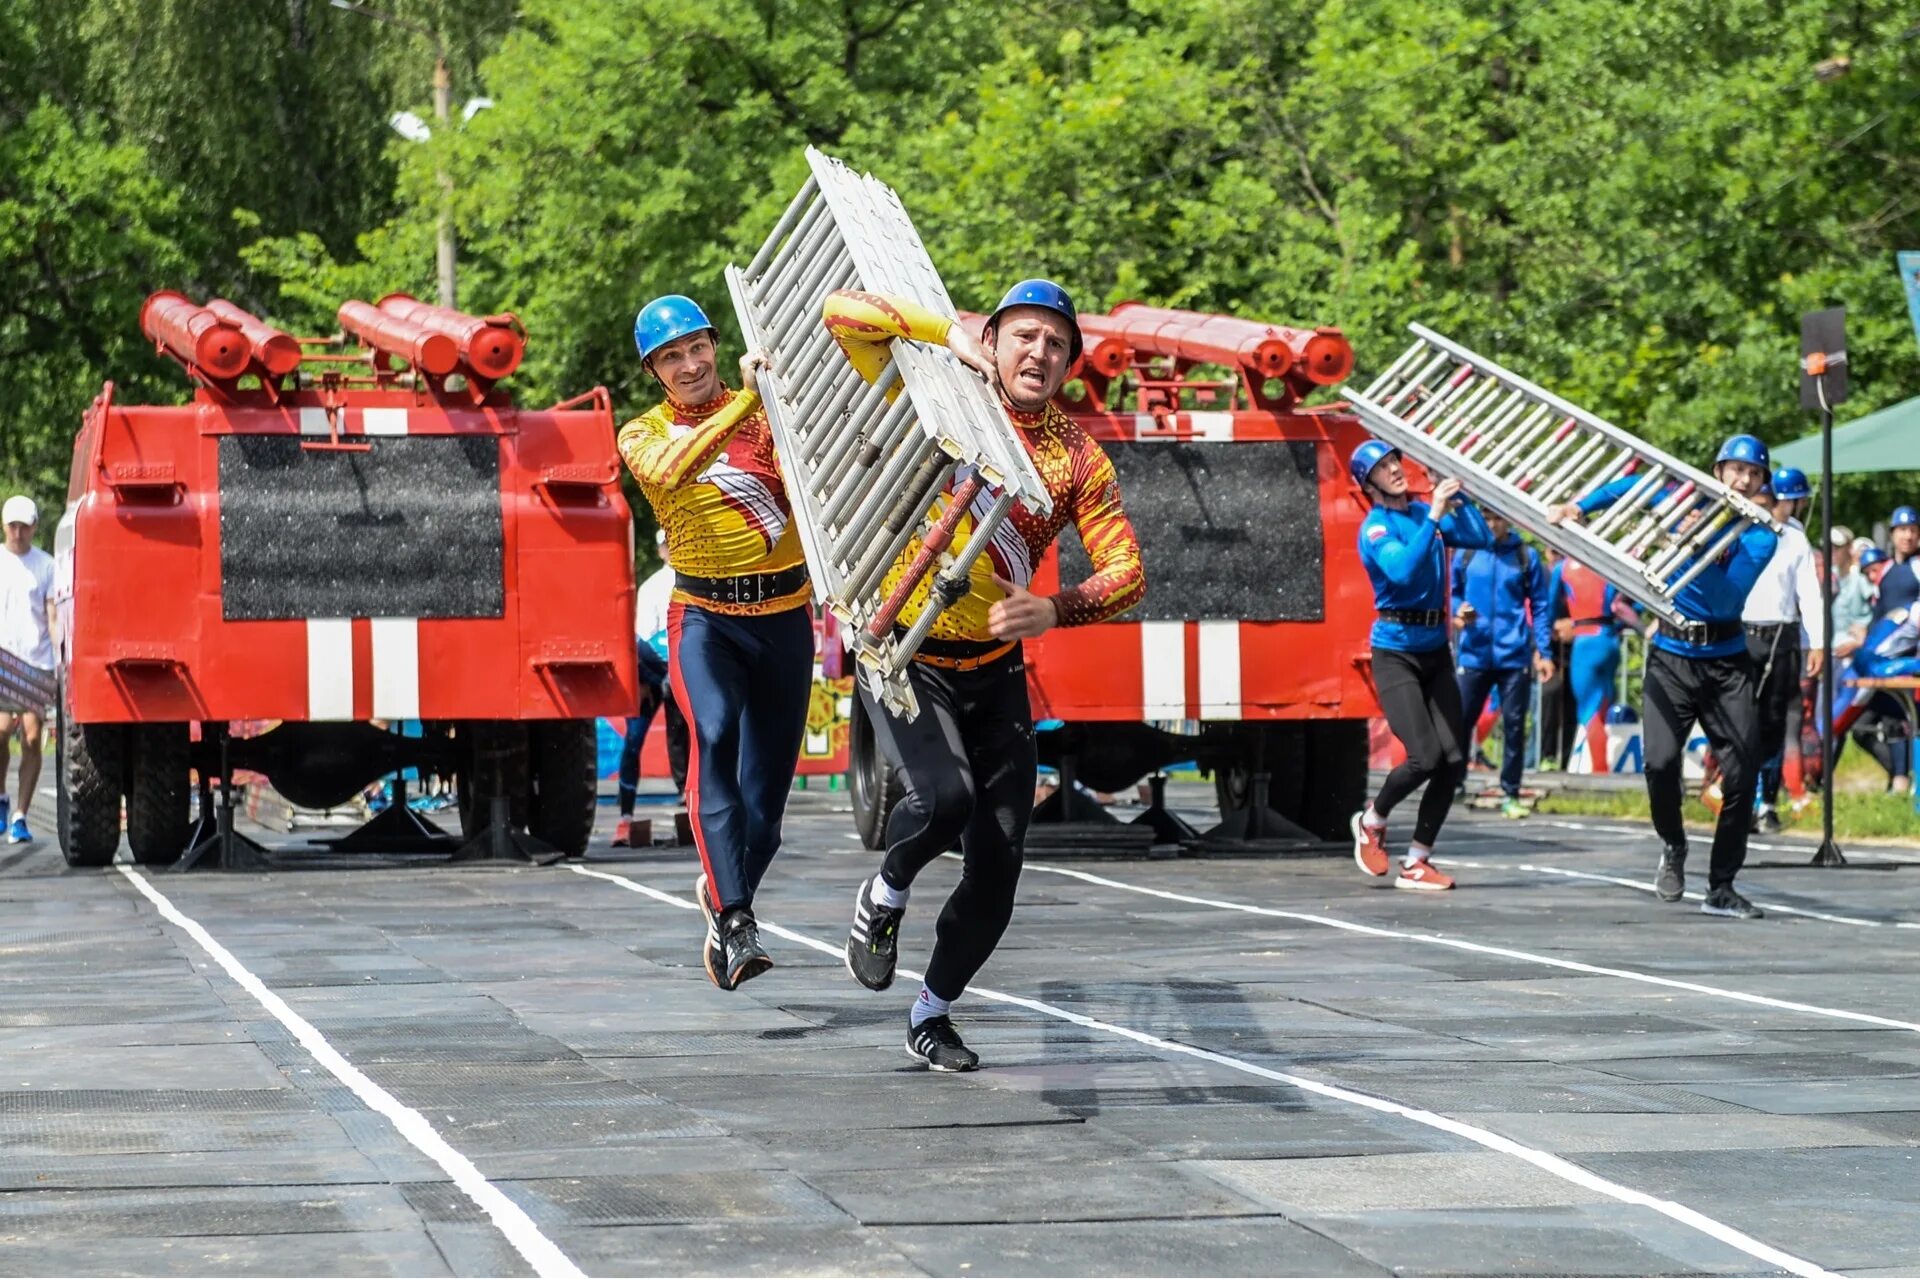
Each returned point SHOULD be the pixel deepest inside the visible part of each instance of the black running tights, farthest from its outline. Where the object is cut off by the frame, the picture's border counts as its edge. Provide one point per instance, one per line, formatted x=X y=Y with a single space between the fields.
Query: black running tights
x=1421 y=700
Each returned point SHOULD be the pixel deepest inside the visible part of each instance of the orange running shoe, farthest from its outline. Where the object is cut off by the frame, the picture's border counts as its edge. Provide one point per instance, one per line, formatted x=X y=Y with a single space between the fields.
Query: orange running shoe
x=1423 y=876
x=1370 y=846
x=623 y=833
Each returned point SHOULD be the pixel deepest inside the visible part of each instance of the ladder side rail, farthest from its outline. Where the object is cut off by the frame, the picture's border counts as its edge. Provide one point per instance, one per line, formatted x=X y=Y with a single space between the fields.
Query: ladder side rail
x=1673 y=464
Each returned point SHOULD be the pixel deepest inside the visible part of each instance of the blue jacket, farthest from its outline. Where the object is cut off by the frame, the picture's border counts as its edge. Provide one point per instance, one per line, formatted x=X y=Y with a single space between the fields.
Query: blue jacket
x=1406 y=559
x=1899 y=588
x=1719 y=593
x=1512 y=599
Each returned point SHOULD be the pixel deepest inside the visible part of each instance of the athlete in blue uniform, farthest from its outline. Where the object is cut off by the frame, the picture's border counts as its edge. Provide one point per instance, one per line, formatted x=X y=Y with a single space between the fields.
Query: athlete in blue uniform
x=1403 y=545
x=1703 y=672
x=1878 y=719
x=1900 y=587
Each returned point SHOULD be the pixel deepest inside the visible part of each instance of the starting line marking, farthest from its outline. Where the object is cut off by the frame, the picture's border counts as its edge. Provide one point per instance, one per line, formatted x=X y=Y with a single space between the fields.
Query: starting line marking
x=1455 y=943
x=1554 y=1165
x=507 y=1216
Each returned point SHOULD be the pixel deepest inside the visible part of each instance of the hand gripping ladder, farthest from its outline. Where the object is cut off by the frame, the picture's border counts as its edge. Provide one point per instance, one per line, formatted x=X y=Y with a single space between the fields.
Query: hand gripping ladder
x=861 y=472
x=1522 y=450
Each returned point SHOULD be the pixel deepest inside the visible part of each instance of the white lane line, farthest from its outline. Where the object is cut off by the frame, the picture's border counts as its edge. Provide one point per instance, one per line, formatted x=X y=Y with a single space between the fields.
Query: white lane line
x=1455 y=943
x=1878 y=853
x=1857 y=921
x=1550 y=1164
x=507 y=1216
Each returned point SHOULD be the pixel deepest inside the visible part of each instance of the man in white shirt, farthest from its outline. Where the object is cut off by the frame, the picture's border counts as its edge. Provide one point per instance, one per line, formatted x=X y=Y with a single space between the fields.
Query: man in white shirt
x=1784 y=602
x=26 y=602
x=650 y=603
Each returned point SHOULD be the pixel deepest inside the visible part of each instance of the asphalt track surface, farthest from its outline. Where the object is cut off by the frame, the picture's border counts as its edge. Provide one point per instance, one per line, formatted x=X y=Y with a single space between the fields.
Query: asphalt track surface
x=1218 y=1066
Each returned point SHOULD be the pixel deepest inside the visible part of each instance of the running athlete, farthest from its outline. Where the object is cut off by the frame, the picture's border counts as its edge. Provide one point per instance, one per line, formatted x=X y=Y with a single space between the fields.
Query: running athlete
x=1503 y=603
x=1783 y=602
x=967 y=761
x=739 y=628
x=1900 y=586
x=1403 y=545
x=1595 y=613
x=1703 y=672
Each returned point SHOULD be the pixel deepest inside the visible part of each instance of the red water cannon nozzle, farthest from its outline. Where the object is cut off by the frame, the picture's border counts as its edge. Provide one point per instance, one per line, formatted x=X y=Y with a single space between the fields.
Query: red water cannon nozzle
x=490 y=346
x=277 y=353
x=1301 y=358
x=432 y=353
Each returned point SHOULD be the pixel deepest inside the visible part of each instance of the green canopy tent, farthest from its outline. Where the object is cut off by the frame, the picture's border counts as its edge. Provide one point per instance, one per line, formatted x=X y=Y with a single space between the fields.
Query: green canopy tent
x=1885 y=441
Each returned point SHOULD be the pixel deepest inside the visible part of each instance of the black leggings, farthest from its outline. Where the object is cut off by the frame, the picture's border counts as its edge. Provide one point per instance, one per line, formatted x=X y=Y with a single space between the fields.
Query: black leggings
x=1421 y=700
x=1776 y=655
x=1723 y=694
x=967 y=763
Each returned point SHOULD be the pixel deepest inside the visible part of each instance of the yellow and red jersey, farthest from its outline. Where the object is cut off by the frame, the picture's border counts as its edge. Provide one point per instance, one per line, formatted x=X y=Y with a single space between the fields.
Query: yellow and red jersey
x=1076 y=470
x=711 y=475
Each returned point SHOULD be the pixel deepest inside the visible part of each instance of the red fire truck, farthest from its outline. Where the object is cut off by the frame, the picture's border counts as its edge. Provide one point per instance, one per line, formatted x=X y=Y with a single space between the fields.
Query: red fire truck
x=1249 y=654
x=334 y=545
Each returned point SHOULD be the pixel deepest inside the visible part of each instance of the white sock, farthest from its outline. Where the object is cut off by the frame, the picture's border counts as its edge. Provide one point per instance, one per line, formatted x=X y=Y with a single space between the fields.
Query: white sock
x=928 y=1005
x=1417 y=853
x=1373 y=819
x=885 y=894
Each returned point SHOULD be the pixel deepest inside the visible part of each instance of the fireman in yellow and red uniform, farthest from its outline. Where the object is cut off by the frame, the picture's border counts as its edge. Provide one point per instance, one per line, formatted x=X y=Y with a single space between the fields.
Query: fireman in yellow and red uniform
x=740 y=633
x=967 y=761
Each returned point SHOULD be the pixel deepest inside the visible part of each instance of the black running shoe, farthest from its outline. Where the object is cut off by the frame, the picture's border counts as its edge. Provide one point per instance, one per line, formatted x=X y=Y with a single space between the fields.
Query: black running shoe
x=1723 y=901
x=740 y=938
x=1766 y=821
x=713 y=956
x=937 y=1043
x=873 y=941
x=1673 y=874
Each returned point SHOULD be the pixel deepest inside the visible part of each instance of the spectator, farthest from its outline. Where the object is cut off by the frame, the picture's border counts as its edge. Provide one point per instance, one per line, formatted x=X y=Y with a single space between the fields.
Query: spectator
x=650 y=650
x=1900 y=586
x=1840 y=559
x=26 y=612
x=1853 y=599
x=1504 y=611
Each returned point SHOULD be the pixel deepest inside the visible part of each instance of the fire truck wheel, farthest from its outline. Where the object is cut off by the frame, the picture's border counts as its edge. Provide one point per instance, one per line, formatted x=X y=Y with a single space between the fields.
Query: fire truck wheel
x=565 y=762
x=1335 y=776
x=88 y=759
x=478 y=742
x=160 y=785
x=1273 y=748
x=871 y=782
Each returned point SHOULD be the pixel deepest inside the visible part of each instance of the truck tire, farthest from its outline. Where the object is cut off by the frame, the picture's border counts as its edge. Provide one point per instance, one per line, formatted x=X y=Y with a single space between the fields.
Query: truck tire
x=474 y=781
x=88 y=763
x=159 y=788
x=871 y=782
x=1279 y=746
x=1335 y=757
x=564 y=762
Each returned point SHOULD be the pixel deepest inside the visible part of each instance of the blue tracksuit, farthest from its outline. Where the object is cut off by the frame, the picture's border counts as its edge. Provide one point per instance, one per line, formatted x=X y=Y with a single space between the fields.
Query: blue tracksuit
x=1406 y=559
x=1899 y=589
x=1512 y=598
x=1720 y=592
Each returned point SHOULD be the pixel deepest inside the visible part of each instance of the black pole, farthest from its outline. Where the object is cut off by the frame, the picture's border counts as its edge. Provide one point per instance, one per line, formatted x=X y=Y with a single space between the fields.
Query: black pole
x=1829 y=853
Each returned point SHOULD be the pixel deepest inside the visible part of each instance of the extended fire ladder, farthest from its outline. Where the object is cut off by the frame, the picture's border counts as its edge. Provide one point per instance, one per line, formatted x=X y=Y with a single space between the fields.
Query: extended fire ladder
x=863 y=471
x=1521 y=451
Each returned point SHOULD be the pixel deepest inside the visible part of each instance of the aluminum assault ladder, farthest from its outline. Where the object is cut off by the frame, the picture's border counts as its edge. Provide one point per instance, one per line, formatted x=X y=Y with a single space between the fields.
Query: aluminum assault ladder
x=1521 y=451
x=861 y=472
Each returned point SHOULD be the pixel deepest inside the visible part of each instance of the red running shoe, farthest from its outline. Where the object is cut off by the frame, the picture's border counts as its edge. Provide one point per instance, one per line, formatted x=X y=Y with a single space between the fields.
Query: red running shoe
x=1423 y=876
x=623 y=833
x=1370 y=846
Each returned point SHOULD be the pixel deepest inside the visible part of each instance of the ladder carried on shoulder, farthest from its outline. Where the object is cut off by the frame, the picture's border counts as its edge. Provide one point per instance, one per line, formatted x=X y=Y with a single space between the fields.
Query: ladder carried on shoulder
x=861 y=471
x=1521 y=450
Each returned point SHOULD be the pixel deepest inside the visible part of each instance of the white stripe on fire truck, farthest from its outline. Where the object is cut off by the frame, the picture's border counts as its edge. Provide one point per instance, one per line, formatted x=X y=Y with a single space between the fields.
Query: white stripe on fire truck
x=396 y=668
x=383 y=421
x=1220 y=670
x=1211 y=426
x=329 y=668
x=1163 y=670
x=313 y=421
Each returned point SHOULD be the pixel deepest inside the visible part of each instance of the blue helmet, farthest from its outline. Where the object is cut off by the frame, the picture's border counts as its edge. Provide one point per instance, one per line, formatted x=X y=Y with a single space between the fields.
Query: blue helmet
x=1790 y=484
x=1903 y=516
x=1871 y=556
x=1744 y=448
x=666 y=318
x=1368 y=456
x=1047 y=294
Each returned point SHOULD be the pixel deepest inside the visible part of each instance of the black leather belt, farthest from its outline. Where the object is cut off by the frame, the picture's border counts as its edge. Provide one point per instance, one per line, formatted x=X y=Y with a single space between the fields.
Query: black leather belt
x=1768 y=629
x=1415 y=616
x=747 y=588
x=1701 y=634
x=957 y=650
